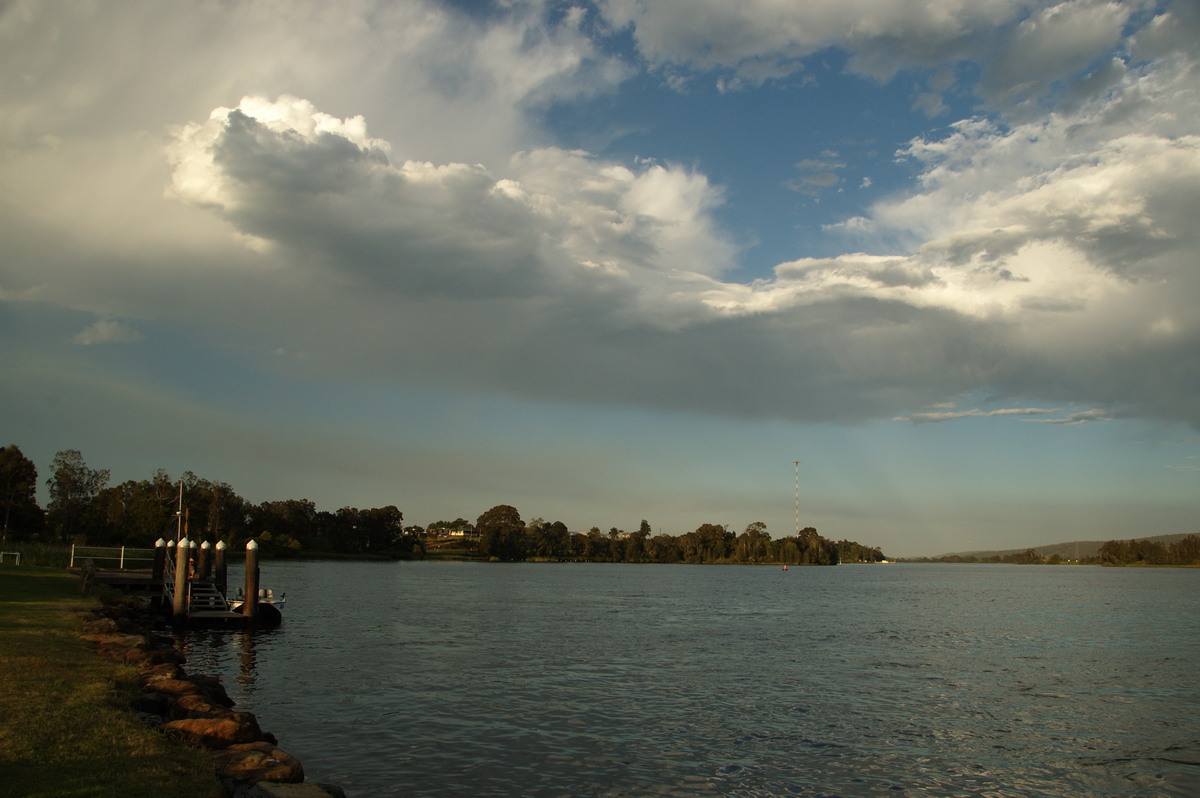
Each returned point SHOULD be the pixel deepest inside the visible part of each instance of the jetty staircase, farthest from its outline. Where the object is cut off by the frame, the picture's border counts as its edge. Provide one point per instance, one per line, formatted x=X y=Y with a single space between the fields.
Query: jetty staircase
x=205 y=603
x=204 y=597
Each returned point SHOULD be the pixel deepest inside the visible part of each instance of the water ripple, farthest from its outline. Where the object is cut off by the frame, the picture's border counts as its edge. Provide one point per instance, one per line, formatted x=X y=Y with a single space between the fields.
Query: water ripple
x=608 y=680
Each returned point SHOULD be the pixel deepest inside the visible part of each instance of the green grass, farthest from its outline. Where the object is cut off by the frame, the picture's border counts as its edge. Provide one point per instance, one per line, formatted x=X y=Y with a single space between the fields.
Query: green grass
x=65 y=727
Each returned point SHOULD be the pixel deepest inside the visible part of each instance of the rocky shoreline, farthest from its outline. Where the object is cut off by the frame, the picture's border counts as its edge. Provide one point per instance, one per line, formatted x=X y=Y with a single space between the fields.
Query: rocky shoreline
x=195 y=709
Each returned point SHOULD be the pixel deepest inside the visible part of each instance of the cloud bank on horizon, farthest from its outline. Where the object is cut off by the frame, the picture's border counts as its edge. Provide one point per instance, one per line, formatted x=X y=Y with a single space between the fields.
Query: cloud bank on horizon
x=381 y=191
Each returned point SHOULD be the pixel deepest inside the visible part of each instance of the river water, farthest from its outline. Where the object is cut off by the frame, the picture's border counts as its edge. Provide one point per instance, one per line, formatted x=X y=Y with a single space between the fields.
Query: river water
x=448 y=679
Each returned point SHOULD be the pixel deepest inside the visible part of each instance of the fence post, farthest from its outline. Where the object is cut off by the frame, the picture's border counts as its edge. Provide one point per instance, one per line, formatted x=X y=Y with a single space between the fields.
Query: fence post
x=121 y=560
x=72 y=565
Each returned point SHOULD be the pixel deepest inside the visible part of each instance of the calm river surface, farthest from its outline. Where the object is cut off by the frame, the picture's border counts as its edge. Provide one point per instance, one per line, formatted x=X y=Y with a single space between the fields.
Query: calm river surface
x=447 y=679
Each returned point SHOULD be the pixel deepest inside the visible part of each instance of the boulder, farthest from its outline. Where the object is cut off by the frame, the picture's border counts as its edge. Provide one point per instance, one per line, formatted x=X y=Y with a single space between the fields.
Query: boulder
x=172 y=687
x=222 y=732
x=100 y=626
x=166 y=670
x=211 y=686
x=198 y=705
x=257 y=762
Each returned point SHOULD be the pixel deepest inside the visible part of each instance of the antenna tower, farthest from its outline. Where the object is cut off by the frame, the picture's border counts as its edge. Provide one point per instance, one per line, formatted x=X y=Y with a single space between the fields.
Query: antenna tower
x=796 y=463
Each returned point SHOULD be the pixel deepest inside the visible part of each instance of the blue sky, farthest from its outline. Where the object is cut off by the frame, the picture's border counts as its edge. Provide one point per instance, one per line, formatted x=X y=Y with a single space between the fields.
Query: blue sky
x=609 y=261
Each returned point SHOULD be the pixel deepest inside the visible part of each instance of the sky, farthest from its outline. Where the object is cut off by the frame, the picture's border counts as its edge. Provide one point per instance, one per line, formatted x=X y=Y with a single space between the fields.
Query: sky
x=920 y=275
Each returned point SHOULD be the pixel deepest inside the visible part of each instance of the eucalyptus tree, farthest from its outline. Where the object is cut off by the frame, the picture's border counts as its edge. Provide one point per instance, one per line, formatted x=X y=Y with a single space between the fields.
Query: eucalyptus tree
x=73 y=486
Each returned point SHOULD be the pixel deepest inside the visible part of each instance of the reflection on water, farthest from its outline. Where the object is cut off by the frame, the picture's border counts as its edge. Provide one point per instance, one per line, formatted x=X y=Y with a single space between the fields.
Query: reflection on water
x=213 y=651
x=452 y=678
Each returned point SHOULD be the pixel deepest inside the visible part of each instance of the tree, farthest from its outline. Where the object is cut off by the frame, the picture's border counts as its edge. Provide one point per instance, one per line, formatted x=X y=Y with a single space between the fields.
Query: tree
x=18 y=488
x=500 y=530
x=73 y=486
x=290 y=523
x=635 y=544
x=752 y=544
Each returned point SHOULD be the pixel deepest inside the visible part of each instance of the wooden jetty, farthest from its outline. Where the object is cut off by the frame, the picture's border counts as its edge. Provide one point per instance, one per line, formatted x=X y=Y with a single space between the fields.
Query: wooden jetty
x=199 y=598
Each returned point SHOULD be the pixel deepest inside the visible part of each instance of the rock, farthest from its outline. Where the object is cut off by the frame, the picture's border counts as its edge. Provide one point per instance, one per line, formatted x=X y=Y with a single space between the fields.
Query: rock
x=198 y=706
x=115 y=638
x=232 y=729
x=257 y=762
x=167 y=670
x=211 y=686
x=172 y=687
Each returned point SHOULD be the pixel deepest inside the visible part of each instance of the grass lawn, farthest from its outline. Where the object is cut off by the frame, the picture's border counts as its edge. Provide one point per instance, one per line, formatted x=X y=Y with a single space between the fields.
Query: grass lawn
x=65 y=727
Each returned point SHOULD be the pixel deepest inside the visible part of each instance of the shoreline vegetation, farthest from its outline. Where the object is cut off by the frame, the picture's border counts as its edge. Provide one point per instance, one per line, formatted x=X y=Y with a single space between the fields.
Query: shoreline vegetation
x=85 y=510
x=1157 y=551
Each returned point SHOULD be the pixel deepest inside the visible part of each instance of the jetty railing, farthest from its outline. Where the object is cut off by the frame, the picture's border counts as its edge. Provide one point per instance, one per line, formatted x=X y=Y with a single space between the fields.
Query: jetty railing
x=123 y=557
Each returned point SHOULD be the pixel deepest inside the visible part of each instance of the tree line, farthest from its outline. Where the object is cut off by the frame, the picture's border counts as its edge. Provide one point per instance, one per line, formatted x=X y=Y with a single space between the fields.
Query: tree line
x=1150 y=552
x=85 y=509
x=503 y=536
x=1185 y=551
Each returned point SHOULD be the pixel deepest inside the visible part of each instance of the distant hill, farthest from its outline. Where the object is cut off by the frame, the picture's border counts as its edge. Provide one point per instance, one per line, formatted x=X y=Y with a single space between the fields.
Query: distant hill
x=1081 y=549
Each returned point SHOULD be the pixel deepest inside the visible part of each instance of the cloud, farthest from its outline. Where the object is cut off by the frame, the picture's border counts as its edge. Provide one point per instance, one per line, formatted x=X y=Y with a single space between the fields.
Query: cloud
x=1045 y=261
x=1051 y=259
x=1053 y=44
x=107 y=331
x=1082 y=417
x=1079 y=417
x=320 y=190
x=1023 y=49
x=816 y=175
x=762 y=38
x=954 y=415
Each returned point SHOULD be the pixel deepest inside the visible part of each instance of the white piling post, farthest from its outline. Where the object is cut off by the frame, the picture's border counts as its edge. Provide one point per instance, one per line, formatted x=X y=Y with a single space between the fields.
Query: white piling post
x=250 y=603
x=219 y=556
x=179 y=604
x=160 y=560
